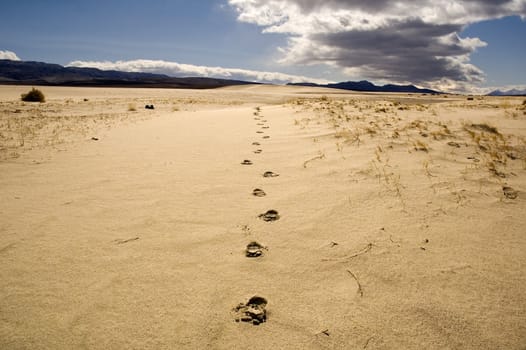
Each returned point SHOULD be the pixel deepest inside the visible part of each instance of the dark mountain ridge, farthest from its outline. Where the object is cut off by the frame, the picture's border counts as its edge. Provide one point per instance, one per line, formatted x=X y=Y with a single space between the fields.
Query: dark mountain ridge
x=367 y=86
x=40 y=73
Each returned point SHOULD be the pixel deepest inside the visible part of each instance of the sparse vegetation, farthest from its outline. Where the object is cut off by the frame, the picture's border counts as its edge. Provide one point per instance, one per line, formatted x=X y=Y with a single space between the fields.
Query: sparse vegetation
x=486 y=128
x=34 y=95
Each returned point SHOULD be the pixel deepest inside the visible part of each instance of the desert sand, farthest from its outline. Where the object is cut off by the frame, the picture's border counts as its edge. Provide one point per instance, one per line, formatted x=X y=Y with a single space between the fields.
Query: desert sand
x=399 y=219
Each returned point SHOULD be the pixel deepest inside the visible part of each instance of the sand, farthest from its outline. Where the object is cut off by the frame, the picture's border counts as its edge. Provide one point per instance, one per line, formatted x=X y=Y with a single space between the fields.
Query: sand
x=401 y=219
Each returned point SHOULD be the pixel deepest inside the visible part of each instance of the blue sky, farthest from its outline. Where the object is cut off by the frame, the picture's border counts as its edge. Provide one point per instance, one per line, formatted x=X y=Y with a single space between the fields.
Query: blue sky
x=472 y=45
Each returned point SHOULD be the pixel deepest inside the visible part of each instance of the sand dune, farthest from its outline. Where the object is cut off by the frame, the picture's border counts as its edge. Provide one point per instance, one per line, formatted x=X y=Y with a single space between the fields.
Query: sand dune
x=399 y=219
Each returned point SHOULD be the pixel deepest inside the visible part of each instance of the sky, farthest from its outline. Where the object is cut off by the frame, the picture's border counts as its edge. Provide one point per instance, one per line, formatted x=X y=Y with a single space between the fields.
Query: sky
x=471 y=46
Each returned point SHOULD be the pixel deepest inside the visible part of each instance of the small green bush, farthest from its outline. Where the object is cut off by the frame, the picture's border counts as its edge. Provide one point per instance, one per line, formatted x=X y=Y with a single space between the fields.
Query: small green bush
x=34 y=95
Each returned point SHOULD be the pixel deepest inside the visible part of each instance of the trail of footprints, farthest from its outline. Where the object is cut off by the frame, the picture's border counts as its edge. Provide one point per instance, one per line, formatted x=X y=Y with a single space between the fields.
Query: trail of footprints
x=254 y=310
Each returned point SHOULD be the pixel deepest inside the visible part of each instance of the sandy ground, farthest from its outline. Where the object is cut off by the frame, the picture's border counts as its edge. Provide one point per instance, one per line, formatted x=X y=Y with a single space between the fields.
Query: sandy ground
x=401 y=219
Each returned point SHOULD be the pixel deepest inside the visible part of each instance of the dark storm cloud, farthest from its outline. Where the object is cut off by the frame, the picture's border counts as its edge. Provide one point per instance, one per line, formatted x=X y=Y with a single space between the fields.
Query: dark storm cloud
x=404 y=41
x=402 y=51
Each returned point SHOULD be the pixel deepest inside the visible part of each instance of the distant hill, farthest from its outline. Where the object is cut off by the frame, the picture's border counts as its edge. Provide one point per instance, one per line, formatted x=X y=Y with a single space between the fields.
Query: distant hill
x=512 y=92
x=367 y=86
x=39 y=73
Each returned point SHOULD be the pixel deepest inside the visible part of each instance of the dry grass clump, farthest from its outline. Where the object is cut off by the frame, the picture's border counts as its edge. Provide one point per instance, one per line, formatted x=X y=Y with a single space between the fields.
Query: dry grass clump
x=34 y=95
x=485 y=128
x=496 y=147
x=420 y=146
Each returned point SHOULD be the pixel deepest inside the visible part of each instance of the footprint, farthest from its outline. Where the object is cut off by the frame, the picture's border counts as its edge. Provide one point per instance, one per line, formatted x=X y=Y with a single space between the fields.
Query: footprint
x=246 y=162
x=266 y=137
x=265 y=127
x=256 y=144
x=270 y=215
x=260 y=124
x=254 y=250
x=509 y=192
x=258 y=192
x=258 y=151
x=264 y=120
x=253 y=311
x=259 y=132
x=270 y=174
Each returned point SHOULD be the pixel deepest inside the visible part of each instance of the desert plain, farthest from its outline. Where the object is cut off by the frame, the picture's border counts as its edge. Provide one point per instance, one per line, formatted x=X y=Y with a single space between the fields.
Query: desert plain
x=399 y=221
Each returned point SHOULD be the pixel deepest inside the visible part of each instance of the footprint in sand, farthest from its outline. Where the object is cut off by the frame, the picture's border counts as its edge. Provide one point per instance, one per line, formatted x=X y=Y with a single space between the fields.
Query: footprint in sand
x=253 y=311
x=270 y=174
x=509 y=192
x=265 y=127
x=258 y=192
x=258 y=151
x=254 y=250
x=259 y=132
x=270 y=215
x=246 y=162
x=266 y=137
x=256 y=144
x=260 y=124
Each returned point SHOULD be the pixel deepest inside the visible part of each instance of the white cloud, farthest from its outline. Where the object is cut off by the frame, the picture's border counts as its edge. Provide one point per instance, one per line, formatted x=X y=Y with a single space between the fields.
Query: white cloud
x=399 y=41
x=185 y=70
x=8 y=55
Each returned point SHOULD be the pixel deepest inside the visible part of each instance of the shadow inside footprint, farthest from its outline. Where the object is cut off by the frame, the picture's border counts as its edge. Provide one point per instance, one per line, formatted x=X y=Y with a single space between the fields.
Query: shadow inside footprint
x=258 y=192
x=253 y=311
x=270 y=174
x=265 y=127
x=266 y=137
x=259 y=132
x=509 y=192
x=270 y=215
x=254 y=250
x=246 y=162
x=256 y=144
x=258 y=151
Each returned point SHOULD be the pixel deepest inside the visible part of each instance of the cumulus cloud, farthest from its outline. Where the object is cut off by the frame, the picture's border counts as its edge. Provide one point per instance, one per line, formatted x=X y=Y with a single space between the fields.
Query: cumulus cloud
x=181 y=69
x=8 y=55
x=405 y=41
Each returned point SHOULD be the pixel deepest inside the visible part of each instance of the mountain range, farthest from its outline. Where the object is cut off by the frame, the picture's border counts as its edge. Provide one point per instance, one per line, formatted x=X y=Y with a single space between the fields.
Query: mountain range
x=512 y=92
x=40 y=73
x=367 y=86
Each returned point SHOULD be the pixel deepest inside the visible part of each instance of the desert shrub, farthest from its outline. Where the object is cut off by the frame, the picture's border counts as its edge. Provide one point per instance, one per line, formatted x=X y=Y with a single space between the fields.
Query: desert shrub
x=34 y=95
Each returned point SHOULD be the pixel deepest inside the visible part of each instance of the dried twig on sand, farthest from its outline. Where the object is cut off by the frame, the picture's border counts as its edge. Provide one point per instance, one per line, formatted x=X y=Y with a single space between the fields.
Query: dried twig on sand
x=325 y=332
x=367 y=248
x=367 y=342
x=122 y=241
x=321 y=156
x=360 y=290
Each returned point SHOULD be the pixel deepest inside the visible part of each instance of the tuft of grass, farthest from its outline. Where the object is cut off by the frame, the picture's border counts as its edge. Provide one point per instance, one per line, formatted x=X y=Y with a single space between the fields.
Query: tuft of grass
x=486 y=128
x=420 y=146
x=34 y=95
